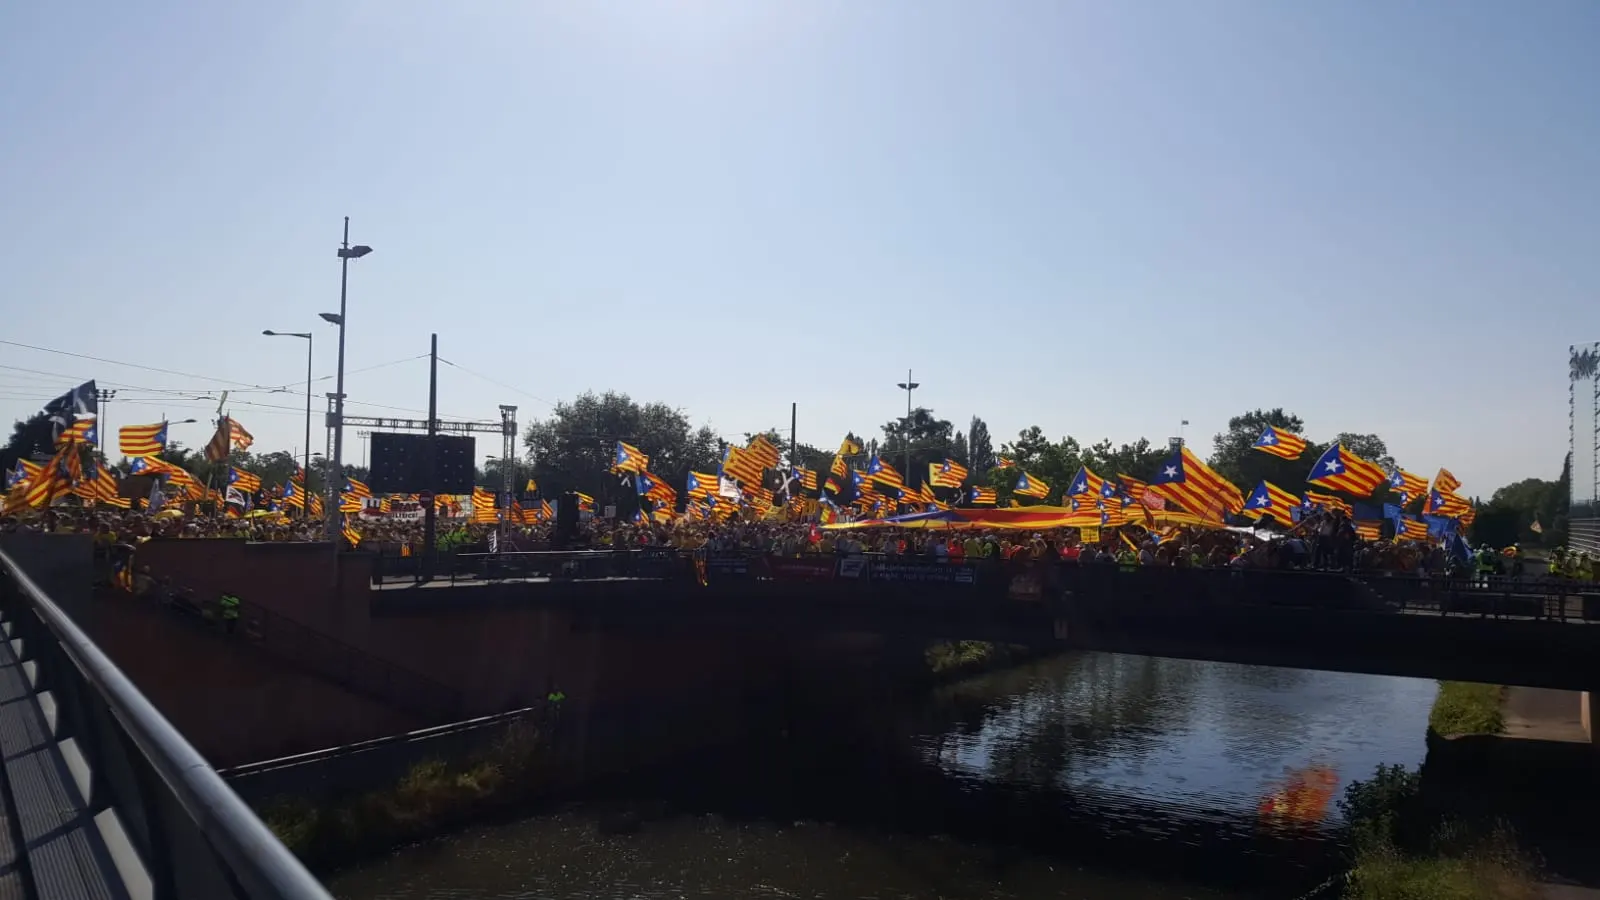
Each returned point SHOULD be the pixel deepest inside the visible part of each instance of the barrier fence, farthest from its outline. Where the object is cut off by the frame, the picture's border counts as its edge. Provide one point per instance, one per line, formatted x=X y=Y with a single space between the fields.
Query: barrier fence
x=193 y=838
x=1505 y=596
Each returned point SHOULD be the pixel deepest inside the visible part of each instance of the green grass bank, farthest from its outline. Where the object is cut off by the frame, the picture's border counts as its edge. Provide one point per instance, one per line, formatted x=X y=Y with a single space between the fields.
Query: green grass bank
x=1402 y=851
x=433 y=797
x=1465 y=707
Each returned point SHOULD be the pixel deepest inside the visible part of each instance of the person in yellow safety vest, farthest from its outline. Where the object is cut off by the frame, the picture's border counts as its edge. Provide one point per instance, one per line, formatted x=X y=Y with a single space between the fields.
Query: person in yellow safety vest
x=229 y=605
x=1557 y=563
x=1126 y=561
x=1485 y=563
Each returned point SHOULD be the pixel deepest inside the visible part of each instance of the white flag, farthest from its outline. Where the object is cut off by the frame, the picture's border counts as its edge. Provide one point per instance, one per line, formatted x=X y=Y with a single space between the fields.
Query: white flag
x=727 y=487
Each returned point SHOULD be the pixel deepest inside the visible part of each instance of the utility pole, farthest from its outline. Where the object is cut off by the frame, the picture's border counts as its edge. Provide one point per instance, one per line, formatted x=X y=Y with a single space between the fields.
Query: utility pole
x=908 y=386
x=794 y=449
x=508 y=463
x=346 y=253
x=428 y=523
x=103 y=398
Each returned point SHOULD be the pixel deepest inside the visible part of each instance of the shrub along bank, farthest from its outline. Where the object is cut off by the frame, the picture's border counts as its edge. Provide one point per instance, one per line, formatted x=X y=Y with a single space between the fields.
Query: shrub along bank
x=433 y=797
x=957 y=658
x=1465 y=707
x=1402 y=852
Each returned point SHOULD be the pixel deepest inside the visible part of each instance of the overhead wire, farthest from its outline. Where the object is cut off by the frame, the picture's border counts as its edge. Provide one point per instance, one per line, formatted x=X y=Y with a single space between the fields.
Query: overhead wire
x=208 y=393
x=496 y=382
x=113 y=362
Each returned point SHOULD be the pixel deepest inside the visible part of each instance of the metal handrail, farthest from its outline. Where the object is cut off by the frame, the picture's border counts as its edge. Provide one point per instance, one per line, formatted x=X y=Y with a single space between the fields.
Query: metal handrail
x=398 y=686
x=254 y=857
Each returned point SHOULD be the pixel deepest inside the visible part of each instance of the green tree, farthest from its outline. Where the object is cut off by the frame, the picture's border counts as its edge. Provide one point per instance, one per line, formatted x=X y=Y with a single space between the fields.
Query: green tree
x=958 y=448
x=980 y=449
x=928 y=439
x=574 y=448
x=1508 y=516
x=1369 y=447
x=1139 y=459
x=491 y=475
x=1233 y=455
x=274 y=469
x=31 y=438
x=1054 y=461
x=1553 y=513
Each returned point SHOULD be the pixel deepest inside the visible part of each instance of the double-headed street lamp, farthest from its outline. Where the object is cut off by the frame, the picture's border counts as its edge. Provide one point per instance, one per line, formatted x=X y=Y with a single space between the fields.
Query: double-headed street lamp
x=346 y=253
x=306 y=508
x=908 y=386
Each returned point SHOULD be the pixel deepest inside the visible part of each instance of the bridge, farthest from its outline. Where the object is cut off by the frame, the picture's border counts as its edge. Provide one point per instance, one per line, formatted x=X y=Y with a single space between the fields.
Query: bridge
x=1537 y=633
x=339 y=647
x=100 y=797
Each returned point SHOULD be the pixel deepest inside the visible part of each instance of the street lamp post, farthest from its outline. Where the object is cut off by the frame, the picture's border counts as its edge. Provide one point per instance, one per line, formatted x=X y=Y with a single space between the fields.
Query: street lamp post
x=305 y=509
x=346 y=253
x=908 y=386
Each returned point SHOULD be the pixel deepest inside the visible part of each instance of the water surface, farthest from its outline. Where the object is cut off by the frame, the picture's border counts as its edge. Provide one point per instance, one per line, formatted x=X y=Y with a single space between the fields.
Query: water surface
x=1093 y=776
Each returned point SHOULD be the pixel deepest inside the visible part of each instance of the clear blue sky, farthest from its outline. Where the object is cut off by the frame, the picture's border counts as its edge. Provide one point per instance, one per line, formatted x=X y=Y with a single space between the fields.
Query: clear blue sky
x=1100 y=218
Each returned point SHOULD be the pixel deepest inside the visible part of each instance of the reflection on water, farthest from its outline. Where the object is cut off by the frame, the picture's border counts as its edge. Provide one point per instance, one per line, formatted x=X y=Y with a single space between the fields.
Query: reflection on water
x=1207 y=740
x=1058 y=778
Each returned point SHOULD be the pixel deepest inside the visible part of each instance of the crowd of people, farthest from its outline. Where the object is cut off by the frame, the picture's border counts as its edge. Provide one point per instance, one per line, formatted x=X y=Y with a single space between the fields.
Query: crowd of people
x=1326 y=541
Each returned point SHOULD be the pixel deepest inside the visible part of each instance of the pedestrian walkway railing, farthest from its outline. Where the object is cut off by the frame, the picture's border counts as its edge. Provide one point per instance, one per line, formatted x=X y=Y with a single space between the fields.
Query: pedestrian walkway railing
x=193 y=839
x=343 y=664
x=1541 y=597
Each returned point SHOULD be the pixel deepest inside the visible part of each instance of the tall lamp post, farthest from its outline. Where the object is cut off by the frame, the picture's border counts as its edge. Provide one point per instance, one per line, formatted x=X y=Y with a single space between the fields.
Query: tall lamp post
x=908 y=386
x=305 y=509
x=346 y=253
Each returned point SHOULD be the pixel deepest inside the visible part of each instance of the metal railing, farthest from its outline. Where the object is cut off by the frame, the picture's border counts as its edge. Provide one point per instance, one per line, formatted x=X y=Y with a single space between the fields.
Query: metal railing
x=195 y=839
x=1502 y=596
x=343 y=664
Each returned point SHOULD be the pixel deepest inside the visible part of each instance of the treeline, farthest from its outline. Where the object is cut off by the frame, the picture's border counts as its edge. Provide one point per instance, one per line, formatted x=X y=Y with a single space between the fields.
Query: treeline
x=574 y=447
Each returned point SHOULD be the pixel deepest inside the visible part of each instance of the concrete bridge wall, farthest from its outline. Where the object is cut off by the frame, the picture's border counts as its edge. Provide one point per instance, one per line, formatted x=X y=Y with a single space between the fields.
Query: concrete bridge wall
x=632 y=696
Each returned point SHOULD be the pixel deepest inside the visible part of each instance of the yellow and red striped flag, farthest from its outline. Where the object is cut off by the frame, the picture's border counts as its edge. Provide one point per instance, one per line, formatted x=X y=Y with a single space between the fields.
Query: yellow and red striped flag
x=1342 y=470
x=142 y=440
x=217 y=447
x=80 y=432
x=629 y=458
x=1445 y=482
x=884 y=473
x=483 y=506
x=1279 y=442
x=1187 y=481
x=700 y=485
x=1270 y=500
x=739 y=464
x=948 y=474
x=763 y=451
x=1328 y=501
x=1408 y=485
x=1410 y=530
x=1031 y=486
x=1086 y=483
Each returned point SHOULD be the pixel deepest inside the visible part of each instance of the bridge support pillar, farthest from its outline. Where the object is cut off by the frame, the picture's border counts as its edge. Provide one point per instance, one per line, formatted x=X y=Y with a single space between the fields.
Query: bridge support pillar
x=1586 y=713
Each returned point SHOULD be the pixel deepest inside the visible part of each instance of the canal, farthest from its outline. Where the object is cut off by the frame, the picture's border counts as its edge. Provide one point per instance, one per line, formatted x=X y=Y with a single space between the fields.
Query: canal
x=1093 y=776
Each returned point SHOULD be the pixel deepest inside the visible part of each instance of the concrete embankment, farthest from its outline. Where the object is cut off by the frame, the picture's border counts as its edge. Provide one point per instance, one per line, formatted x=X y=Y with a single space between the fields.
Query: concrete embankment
x=1537 y=775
